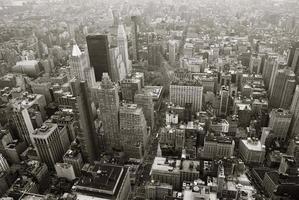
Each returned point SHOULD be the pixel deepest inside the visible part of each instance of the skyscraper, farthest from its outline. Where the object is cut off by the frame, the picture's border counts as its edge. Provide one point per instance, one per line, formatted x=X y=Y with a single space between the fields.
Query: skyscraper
x=106 y=96
x=86 y=135
x=154 y=53
x=80 y=66
x=145 y=100
x=135 y=29
x=269 y=68
x=280 y=121
x=283 y=88
x=133 y=130
x=122 y=43
x=224 y=94
x=48 y=144
x=295 y=62
x=291 y=53
x=99 y=56
x=295 y=111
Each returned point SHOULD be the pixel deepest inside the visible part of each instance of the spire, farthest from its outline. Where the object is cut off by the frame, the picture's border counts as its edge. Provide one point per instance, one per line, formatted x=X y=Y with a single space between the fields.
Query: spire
x=76 y=51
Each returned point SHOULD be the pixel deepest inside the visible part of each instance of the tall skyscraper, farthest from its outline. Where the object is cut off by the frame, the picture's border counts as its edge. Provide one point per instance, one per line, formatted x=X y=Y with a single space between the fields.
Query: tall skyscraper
x=269 y=68
x=48 y=144
x=154 y=53
x=291 y=53
x=135 y=30
x=86 y=135
x=133 y=130
x=80 y=66
x=279 y=123
x=122 y=43
x=99 y=56
x=145 y=100
x=295 y=111
x=224 y=94
x=295 y=62
x=106 y=96
x=173 y=45
x=283 y=88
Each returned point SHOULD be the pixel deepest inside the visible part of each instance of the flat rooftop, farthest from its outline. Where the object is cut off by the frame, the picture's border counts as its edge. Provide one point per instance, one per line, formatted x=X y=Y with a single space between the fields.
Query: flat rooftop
x=253 y=145
x=101 y=180
x=155 y=91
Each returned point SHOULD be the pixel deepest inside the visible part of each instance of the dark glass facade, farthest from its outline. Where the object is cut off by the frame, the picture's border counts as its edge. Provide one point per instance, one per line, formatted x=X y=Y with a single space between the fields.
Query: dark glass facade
x=98 y=51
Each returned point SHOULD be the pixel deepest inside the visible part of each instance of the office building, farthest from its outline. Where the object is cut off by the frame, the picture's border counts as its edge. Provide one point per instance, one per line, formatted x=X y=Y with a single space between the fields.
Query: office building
x=252 y=151
x=4 y=167
x=48 y=143
x=187 y=92
x=79 y=66
x=28 y=114
x=122 y=44
x=280 y=121
x=99 y=57
x=255 y=64
x=145 y=100
x=283 y=88
x=218 y=146
x=135 y=37
x=107 y=99
x=74 y=157
x=292 y=60
x=173 y=50
x=131 y=85
x=269 y=68
x=224 y=95
x=293 y=149
x=294 y=109
x=157 y=190
x=32 y=68
x=133 y=130
x=154 y=54
x=65 y=170
x=86 y=133
x=174 y=172
x=103 y=181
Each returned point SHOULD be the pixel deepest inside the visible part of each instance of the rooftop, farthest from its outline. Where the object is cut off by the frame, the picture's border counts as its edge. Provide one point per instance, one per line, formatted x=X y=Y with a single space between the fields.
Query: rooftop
x=45 y=130
x=101 y=180
x=253 y=144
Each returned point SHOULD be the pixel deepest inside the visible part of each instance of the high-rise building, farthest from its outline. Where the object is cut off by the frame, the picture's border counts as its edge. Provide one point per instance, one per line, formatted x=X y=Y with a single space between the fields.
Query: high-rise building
x=135 y=37
x=295 y=63
x=173 y=45
x=269 y=68
x=99 y=56
x=80 y=68
x=283 y=88
x=145 y=100
x=255 y=64
x=74 y=158
x=294 y=109
x=133 y=130
x=122 y=44
x=28 y=114
x=106 y=96
x=224 y=94
x=280 y=121
x=187 y=92
x=291 y=53
x=48 y=143
x=86 y=134
x=131 y=85
x=4 y=167
x=154 y=54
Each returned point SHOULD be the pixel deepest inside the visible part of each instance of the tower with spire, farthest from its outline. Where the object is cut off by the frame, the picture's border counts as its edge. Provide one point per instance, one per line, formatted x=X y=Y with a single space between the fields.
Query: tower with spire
x=80 y=67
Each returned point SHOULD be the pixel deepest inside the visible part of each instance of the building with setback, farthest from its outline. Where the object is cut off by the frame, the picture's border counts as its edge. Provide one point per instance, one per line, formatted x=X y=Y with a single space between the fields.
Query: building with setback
x=105 y=95
x=280 y=121
x=80 y=68
x=145 y=100
x=133 y=130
